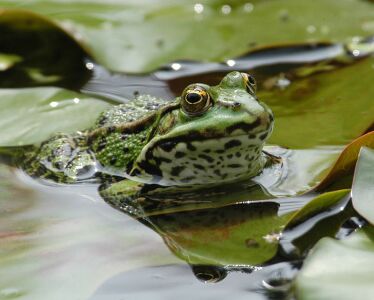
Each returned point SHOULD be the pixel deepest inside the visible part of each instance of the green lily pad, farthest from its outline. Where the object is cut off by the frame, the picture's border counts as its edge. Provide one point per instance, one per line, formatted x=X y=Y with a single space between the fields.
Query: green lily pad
x=31 y=115
x=363 y=185
x=36 y=52
x=329 y=108
x=323 y=216
x=339 y=269
x=317 y=205
x=139 y=36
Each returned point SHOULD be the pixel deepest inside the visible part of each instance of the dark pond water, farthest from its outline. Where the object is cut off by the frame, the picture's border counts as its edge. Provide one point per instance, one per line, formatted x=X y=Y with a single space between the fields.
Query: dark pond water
x=65 y=242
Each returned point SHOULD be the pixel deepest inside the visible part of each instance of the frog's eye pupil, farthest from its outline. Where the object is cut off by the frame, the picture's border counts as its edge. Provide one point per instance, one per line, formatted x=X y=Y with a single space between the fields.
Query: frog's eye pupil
x=195 y=100
x=250 y=83
x=251 y=79
x=193 y=97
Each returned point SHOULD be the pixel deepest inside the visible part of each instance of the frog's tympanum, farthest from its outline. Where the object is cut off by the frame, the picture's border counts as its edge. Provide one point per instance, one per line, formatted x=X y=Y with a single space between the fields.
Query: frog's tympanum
x=210 y=135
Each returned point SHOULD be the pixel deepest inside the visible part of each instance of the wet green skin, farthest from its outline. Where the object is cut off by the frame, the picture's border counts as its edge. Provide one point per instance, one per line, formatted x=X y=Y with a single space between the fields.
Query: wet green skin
x=153 y=141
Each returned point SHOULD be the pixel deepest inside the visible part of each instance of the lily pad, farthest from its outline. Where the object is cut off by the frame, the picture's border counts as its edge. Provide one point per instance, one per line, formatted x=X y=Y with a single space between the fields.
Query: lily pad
x=345 y=163
x=139 y=36
x=321 y=217
x=317 y=205
x=30 y=115
x=339 y=269
x=363 y=185
x=327 y=108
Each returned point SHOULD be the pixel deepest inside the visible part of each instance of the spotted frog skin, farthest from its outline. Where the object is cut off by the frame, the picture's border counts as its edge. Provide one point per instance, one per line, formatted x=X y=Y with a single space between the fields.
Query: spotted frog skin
x=209 y=135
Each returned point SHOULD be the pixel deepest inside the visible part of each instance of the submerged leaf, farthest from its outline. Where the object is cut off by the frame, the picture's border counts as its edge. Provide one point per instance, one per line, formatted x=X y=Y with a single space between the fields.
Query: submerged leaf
x=363 y=185
x=143 y=35
x=29 y=116
x=339 y=269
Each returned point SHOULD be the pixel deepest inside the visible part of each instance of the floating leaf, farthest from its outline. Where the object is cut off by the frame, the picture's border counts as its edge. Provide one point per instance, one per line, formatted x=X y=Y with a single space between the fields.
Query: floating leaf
x=321 y=217
x=31 y=115
x=143 y=35
x=339 y=269
x=323 y=109
x=363 y=184
x=317 y=205
x=35 y=52
x=347 y=160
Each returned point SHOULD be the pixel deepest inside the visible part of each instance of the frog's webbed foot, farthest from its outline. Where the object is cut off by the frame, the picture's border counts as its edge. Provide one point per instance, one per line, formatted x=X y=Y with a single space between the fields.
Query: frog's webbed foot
x=124 y=195
x=271 y=159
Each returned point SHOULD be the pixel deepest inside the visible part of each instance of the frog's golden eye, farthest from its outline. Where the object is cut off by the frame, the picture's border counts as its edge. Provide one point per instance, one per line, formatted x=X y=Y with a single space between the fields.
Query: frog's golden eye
x=250 y=83
x=195 y=100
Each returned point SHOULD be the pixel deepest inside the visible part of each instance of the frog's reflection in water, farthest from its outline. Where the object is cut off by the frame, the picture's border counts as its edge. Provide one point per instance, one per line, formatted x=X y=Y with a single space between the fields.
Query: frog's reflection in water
x=214 y=231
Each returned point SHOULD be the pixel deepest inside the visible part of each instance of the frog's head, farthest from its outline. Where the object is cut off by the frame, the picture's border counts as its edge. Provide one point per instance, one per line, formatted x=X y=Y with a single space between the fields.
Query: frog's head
x=214 y=134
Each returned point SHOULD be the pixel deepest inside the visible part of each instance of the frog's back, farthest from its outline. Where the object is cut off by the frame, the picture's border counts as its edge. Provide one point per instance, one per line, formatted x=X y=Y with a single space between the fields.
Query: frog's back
x=81 y=156
x=136 y=109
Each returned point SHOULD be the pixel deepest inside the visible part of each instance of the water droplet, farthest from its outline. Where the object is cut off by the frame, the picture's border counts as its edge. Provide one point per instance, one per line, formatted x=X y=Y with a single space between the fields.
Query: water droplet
x=284 y=15
x=198 y=8
x=251 y=243
x=273 y=237
x=248 y=7
x=53 y=104
x=311 y=29
x=89 y=66
x=76 y=100
x=176 y=66
x=231 y=62
x=282 y=82
x=226 y=9
x=356 y=39
x=356 y=52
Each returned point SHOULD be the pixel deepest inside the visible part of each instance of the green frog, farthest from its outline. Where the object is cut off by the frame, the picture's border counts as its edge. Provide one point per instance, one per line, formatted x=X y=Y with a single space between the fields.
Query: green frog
x=210 y=135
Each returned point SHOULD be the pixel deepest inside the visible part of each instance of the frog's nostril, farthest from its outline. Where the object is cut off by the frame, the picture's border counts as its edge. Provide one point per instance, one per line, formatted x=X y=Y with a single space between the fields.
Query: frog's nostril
x=236 y=104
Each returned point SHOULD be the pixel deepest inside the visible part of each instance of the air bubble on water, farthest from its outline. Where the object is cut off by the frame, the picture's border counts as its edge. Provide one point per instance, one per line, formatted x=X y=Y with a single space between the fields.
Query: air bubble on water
x=53 y=104
x=231 y=62
x=282 y=82
x=248 y=7
x=226 y=9
x=356 y=52
x=76 y=100
x=176 y=66
x=89 y=66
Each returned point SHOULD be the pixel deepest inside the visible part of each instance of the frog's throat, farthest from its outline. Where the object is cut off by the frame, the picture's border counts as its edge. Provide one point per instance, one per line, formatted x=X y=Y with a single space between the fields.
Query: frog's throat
x=204 y=161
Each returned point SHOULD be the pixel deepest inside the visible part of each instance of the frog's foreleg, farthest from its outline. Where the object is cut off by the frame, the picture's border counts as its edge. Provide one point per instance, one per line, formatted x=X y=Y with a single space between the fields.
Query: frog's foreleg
x=123 y=195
